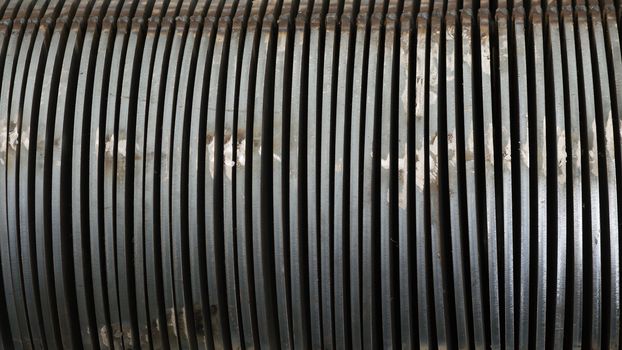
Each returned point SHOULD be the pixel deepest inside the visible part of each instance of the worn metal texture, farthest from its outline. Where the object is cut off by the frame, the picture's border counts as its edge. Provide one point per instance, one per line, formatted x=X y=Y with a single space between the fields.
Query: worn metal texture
x=325 y=174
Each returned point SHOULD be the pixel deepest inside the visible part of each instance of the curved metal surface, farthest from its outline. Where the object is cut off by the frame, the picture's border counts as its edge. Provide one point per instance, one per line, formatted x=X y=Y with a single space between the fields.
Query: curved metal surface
x=310 y=174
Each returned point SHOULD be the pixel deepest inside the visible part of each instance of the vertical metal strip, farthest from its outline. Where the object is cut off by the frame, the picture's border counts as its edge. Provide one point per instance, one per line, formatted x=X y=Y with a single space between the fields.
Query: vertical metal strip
x=454 y=226
x=575 y=176
x=130 y=253
x=326 y=131
x=342 y=234
x=425 y=322
x=243 y=204
x=508 y=205
x=588 y=124
x=357 y=130
x=437 y=228
x=144 y=240
x=489 y=171
x=405 y=119
x=15 y=107
x=520 y=54
x=314 y=98
x=16 y=308
x=555 y=67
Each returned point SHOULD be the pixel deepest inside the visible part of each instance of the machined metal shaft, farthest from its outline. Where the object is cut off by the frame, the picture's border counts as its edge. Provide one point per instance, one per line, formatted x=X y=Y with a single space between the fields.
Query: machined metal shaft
x=317 y=174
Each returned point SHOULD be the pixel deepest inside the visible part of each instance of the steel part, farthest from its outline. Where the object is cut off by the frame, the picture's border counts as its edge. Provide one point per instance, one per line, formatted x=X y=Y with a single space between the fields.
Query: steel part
x=310 y=174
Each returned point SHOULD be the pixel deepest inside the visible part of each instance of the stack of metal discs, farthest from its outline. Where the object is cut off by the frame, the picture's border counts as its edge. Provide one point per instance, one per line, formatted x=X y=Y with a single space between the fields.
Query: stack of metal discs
x=328 y=174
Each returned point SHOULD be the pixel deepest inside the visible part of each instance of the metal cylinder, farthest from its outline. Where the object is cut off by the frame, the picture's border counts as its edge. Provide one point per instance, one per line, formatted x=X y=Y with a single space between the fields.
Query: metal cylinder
x=302 y=174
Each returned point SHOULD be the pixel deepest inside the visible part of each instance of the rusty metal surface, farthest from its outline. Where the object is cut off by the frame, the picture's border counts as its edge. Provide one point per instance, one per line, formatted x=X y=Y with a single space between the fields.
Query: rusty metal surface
x=229 y=174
